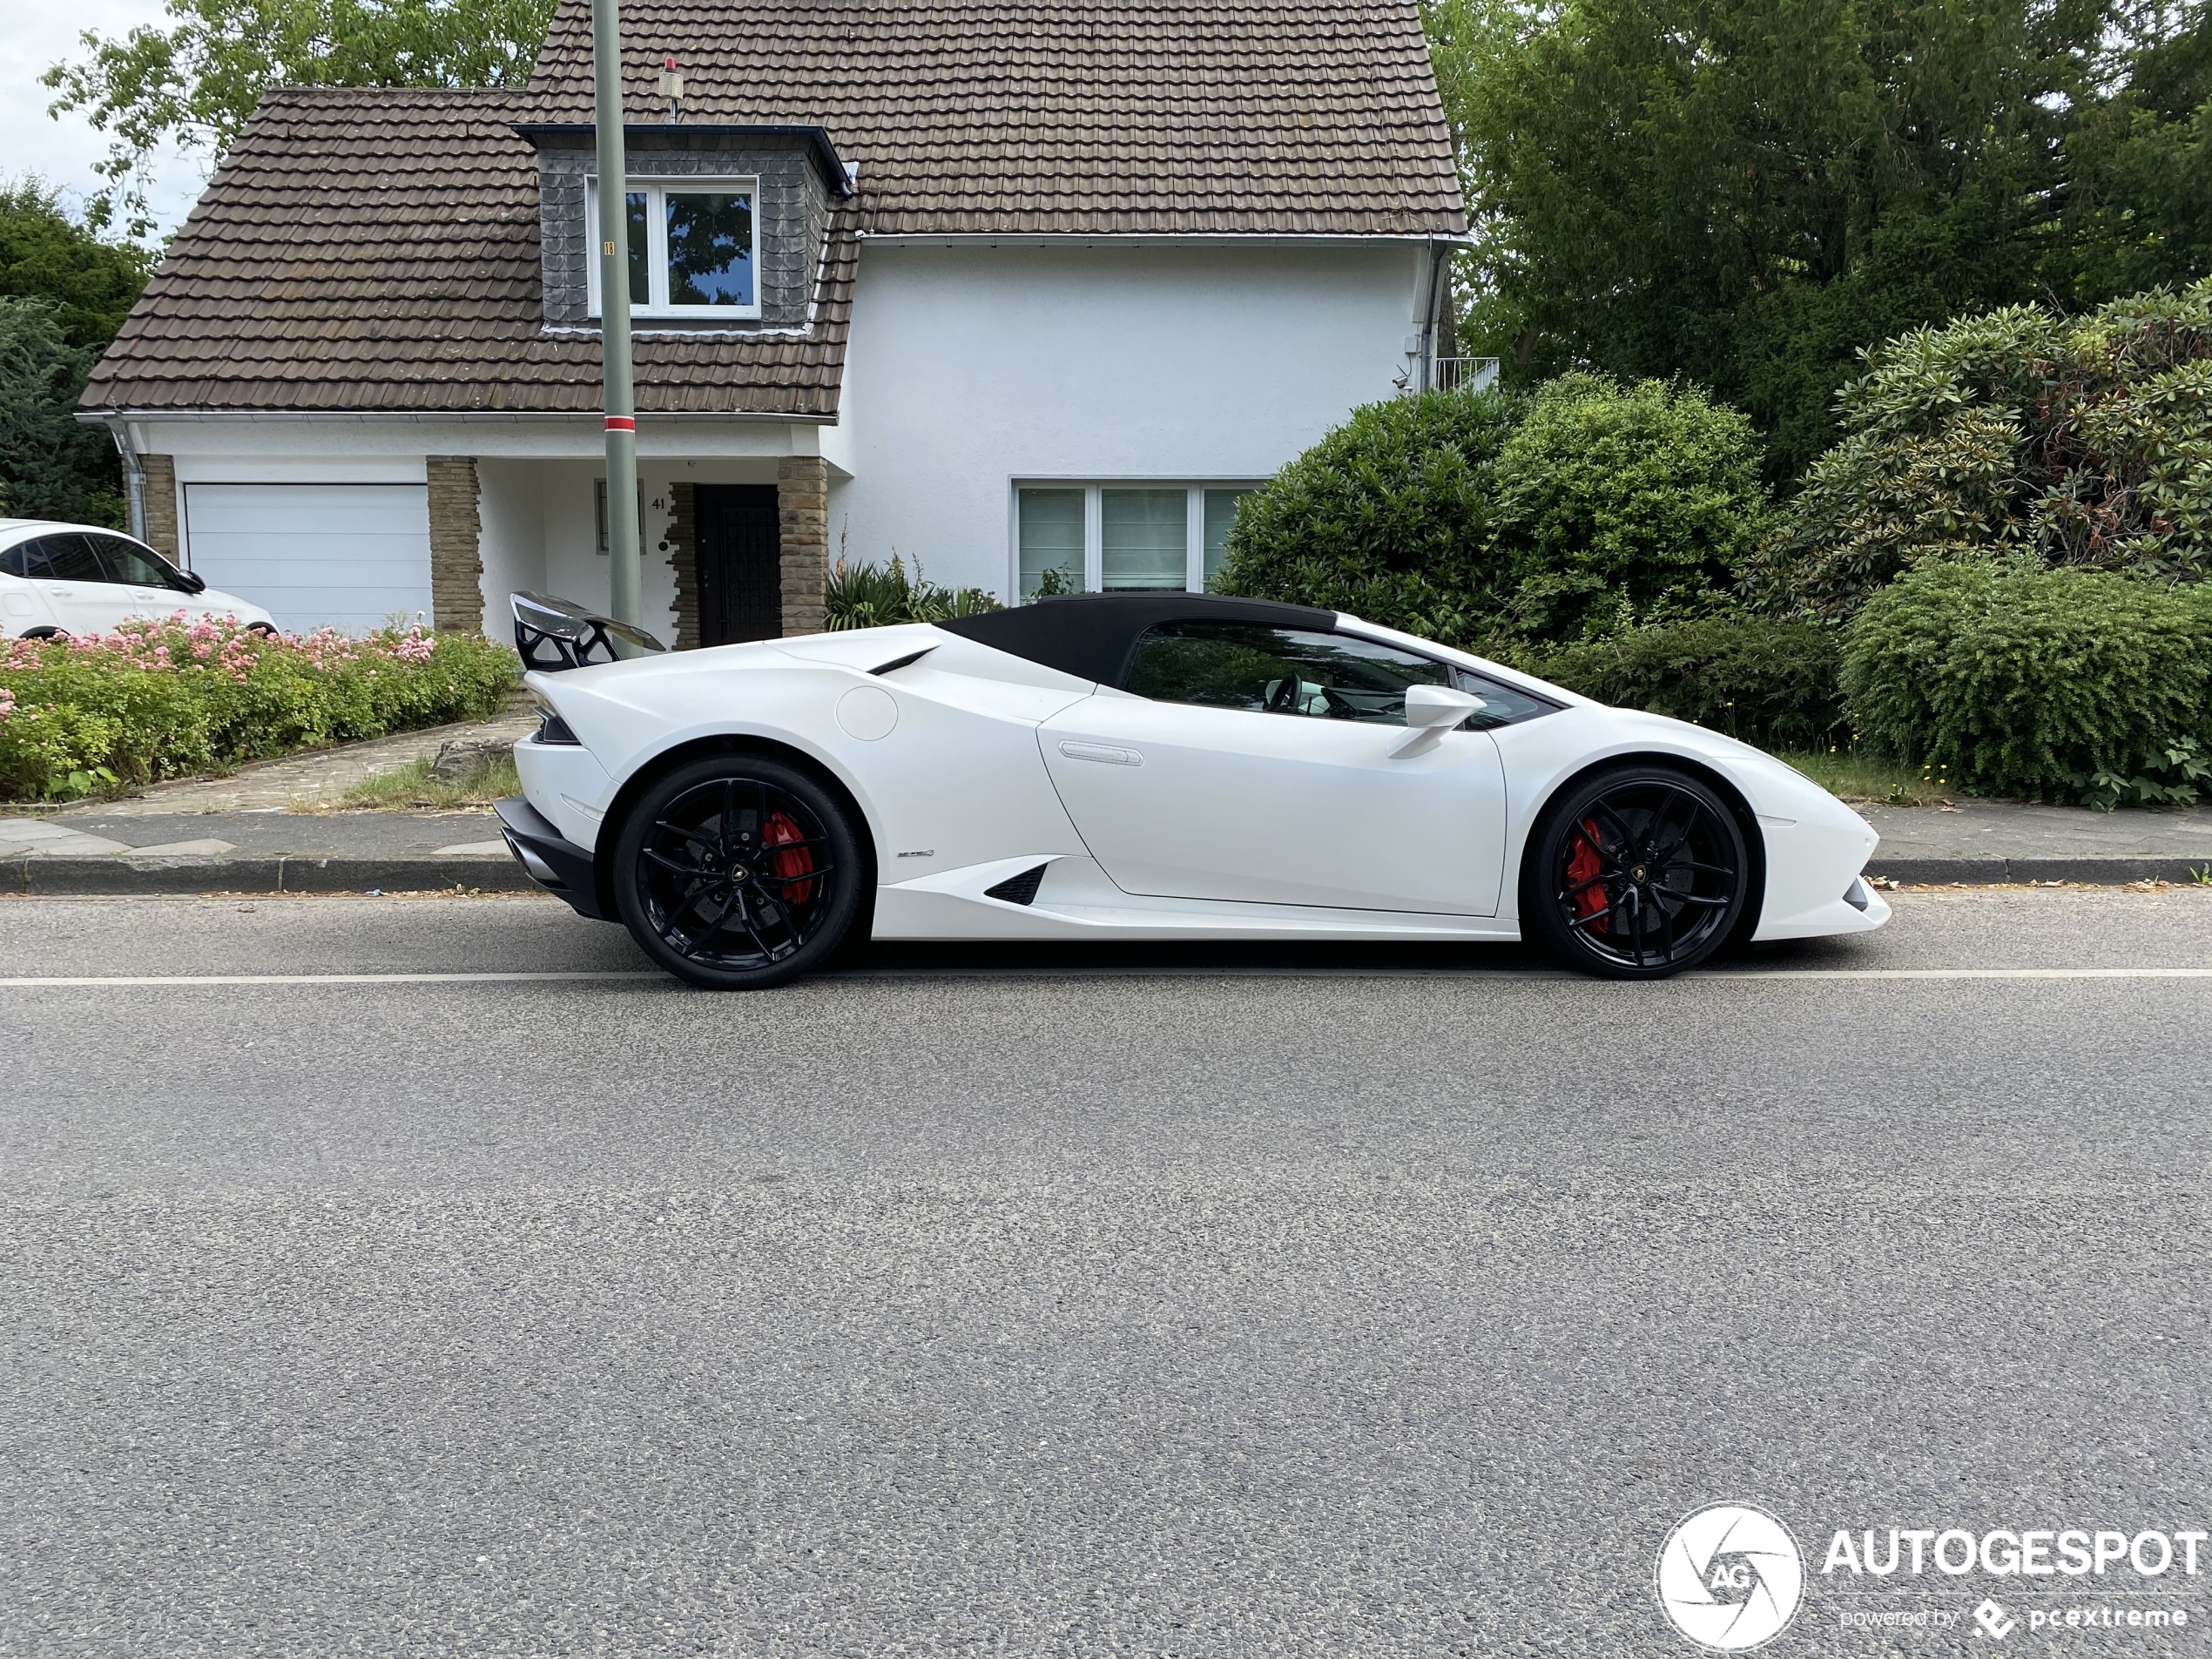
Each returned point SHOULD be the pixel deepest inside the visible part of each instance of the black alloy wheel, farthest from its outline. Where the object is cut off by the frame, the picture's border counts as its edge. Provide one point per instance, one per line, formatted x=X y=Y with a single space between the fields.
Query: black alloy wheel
x=738 y=872
x=1635 y=873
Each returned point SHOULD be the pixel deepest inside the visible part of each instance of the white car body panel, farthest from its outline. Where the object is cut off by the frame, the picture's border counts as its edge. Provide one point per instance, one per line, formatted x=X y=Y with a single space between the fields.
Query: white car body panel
x=34 y=605
x=971 y=765
x=1181 y=802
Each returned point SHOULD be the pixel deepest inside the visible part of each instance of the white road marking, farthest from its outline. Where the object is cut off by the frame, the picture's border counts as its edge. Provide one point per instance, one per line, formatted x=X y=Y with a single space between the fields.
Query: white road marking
x=33 y=982
x=1068 y=970
x=1955 y=973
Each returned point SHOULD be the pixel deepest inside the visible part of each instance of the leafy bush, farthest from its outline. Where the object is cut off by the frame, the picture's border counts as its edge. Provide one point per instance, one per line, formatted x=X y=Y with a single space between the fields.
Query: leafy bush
x=869 y=596
x=1775 y=684
x=156 y=699
x=1389 y=517
x=2083 y=441
x=1490 y=520
x=2064 y=685
x=1621 y=506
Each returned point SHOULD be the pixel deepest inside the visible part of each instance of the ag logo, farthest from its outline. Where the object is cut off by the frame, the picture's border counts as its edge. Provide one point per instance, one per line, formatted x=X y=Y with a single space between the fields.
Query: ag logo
x=1730 y=1577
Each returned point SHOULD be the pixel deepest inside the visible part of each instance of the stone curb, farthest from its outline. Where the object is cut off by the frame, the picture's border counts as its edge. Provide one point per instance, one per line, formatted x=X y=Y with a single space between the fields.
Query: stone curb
x=264 y=873
x=2110 y=872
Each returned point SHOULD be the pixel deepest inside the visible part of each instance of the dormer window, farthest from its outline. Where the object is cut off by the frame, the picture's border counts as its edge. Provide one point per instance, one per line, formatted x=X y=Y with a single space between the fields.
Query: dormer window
x=691 y=242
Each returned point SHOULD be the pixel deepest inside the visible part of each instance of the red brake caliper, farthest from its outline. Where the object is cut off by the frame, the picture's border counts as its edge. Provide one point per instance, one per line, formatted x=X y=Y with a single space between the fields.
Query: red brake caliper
x=781 y=830
x=1582 y=865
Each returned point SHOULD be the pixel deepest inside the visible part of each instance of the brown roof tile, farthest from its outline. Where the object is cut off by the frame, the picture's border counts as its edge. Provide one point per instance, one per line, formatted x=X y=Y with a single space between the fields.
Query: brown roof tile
x=379 y=250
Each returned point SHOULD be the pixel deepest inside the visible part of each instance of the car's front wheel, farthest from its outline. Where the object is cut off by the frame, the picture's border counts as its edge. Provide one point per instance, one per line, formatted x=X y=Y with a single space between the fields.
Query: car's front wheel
x=737 y=871
x=1636 y=873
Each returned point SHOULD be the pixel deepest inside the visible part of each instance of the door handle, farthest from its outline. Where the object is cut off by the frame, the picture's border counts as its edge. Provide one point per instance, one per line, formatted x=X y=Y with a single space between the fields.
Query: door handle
x=1104 y=753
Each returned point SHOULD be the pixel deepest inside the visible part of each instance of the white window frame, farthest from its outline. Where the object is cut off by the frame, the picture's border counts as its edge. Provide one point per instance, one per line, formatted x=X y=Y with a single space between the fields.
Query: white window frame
x=1194 y=532
x=656 y=191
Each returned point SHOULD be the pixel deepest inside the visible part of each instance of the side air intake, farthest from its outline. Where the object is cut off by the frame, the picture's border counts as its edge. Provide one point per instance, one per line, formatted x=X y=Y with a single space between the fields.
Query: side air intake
x=1017 y=889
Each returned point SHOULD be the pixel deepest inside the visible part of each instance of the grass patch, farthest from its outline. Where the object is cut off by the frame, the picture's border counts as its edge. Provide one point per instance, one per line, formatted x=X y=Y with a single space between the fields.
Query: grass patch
x=412 y=788
x=1855 y=775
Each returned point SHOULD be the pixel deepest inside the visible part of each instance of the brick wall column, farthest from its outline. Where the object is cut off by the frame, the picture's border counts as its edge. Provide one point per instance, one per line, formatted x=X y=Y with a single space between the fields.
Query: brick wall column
x=683 y=559
x=160 y=482
x=456 y=564
x=802 y=519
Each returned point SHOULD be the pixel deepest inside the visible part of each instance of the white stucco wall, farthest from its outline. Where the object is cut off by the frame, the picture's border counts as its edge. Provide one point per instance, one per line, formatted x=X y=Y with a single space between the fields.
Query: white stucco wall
x=971 y=367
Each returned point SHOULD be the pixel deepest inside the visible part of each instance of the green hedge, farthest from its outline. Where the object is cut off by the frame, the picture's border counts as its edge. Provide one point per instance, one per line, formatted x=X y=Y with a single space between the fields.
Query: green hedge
x=2061 y=686
x=1507 y=523
x=160 y=699
x=1774 y=684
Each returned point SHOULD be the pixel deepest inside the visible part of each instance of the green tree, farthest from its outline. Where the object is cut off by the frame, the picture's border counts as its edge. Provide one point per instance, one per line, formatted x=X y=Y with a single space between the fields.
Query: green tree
x=45 y=253
x=2139 y=201
x=194 y=83
x=1748 y=193
x=51 y=466
x=64 y=292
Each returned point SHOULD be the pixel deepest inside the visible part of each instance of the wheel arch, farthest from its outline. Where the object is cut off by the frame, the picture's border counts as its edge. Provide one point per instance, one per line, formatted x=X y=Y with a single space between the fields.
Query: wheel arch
x=1712 y=778
x=683 y=754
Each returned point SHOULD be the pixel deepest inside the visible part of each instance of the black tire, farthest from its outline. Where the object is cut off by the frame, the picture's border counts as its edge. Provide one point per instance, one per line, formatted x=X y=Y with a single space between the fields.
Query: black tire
x=796 y=855
x=266 y=630
x=1638 y=871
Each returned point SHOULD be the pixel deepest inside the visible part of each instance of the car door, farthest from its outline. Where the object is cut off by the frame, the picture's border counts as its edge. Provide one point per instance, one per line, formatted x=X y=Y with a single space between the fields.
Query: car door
x=66 y=573
x=137 y=581
x=23 y=606
x=1246 y=762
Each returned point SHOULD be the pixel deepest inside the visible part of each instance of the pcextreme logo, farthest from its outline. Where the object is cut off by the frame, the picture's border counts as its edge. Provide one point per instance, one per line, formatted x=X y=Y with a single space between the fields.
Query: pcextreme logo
x=1730 y=1577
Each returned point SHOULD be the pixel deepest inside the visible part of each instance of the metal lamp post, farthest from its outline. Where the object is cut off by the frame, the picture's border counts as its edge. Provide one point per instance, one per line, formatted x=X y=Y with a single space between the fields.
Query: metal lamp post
x=625 y=576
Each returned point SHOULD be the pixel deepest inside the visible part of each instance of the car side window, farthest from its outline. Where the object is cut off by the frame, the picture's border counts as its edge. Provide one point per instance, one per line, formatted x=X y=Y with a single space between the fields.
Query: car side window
x=124 y=562
x=63 y=558
x=17 y=560
x=1501 y=703
x=1277 y=670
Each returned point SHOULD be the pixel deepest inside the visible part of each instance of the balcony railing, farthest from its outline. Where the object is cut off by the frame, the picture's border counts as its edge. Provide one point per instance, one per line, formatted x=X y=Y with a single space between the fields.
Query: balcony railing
x=1462 y=374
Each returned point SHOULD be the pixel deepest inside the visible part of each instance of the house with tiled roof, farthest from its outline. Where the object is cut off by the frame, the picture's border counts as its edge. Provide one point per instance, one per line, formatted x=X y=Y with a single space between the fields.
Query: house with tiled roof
x=1004 y=288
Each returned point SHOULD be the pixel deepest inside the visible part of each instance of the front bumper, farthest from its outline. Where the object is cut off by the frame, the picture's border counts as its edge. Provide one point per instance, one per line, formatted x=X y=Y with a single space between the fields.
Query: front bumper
x=547 y=858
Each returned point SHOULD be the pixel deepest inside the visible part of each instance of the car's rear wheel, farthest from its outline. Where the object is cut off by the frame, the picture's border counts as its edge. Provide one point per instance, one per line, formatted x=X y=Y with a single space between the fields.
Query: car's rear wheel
x=1636 y=873
x=736 y=873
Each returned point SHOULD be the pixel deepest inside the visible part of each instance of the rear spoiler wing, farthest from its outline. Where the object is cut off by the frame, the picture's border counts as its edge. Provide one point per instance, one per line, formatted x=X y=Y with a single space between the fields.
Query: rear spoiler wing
x=553 y=634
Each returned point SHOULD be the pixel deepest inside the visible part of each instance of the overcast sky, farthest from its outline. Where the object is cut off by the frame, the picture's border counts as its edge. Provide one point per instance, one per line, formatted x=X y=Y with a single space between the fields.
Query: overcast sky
x=34 y=33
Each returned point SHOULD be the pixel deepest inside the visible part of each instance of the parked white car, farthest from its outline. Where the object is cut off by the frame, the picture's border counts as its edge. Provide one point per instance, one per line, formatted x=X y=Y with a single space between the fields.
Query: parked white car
x=1146 y=766
x=81 y=579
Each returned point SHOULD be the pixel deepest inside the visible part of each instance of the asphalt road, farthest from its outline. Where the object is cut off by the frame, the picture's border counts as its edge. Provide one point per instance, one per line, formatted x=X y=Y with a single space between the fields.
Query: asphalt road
x=1222 y=1302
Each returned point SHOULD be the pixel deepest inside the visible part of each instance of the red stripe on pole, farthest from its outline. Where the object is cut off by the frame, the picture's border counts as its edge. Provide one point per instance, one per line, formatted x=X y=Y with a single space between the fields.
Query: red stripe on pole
x=621 y=423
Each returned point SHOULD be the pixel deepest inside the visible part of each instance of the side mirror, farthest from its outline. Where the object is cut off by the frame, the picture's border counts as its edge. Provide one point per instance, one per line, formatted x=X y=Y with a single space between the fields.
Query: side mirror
x=192 y=581
x=1430 y=711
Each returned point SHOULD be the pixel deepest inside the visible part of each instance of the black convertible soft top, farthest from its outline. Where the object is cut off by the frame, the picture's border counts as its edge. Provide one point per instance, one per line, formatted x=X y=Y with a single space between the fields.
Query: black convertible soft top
x=1090 y=635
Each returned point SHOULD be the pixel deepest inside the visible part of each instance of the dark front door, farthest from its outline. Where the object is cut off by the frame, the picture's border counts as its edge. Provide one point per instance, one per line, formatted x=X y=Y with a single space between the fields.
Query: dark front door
x=740 y=566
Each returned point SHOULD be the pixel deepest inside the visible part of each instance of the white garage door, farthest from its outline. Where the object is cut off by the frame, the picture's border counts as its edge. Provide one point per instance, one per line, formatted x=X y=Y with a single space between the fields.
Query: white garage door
x=337 y=556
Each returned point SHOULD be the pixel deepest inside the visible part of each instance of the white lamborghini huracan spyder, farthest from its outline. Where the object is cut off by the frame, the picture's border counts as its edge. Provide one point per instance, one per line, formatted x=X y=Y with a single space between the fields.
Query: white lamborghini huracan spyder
x=1148 y=766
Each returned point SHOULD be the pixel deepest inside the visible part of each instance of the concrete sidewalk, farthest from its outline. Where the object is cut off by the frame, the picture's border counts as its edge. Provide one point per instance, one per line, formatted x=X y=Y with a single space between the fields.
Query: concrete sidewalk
x=256 y=852
x=127 y=849
x=1983 y=841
